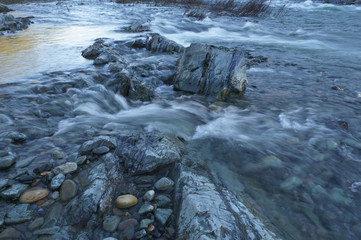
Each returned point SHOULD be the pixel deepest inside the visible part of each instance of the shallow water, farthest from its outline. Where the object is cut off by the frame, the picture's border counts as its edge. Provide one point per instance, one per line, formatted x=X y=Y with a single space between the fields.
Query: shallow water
x=292 y=143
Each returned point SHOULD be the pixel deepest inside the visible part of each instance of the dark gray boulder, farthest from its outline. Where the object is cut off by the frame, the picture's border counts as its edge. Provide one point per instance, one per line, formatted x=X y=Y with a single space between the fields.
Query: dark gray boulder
x=93 y=51
x=158 y=43
x=145 y=153
x=10 y=24
x=212 y=71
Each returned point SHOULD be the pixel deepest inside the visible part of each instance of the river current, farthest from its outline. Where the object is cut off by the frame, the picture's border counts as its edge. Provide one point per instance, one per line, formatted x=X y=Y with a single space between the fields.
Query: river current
x=292 y=144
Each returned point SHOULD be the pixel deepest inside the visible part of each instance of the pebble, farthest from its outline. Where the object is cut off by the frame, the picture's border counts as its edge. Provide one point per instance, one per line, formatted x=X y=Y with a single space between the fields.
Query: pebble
x=149 y=196
x=164 y=184
x=36 y=223
x=14 y=191
x=272 y=161
x=66 y=168
x=57 y=181
x=110 y=223
x=145 y=223
x=140 y=234
x=162 y=215
x=132 y=222
x=68 y=190
x=57 y=153
x=55 y=195
x=162 y=201
x=146 y=208
x=81 y=160
x=126 y=201
x=34 y=194
x=18 y=214
x=101 y=150
x=43 y=168
x=291 y=183
x=7 y=161
x=10 y=233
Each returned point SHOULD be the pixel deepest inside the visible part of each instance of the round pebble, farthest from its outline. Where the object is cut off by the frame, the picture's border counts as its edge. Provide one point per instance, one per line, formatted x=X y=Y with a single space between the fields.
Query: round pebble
x=126 y=201
x=149 y=196
x=164 y=184
x=68 y=190
x=33 y=195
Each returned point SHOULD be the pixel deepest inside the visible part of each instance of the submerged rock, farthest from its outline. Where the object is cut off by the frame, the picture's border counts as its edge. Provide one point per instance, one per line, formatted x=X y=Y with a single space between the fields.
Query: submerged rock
x=212 y=71
x=11 y=233
x=162 y=215
x=36 y=223
x=18 y=214
x=68 y=190
x=110 y=223
x=164 y=184
x=7 y=161
x=14 y=191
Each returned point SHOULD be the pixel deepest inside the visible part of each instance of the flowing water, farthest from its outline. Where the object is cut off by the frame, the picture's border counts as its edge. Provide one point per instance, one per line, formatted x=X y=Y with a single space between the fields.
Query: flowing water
x=292 y=144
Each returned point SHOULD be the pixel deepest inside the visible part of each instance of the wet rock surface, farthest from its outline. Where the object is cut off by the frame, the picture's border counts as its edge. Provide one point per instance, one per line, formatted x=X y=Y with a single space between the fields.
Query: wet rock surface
x=10 y=24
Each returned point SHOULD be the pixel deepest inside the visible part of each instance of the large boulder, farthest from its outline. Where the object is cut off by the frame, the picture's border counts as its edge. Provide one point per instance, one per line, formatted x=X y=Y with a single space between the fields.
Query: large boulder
x=211 y=71
x=10 y=24
x=145 y=153
x=158 y=43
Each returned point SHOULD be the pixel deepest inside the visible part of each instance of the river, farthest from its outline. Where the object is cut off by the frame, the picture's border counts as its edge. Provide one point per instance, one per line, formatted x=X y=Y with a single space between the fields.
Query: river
x=292 y=144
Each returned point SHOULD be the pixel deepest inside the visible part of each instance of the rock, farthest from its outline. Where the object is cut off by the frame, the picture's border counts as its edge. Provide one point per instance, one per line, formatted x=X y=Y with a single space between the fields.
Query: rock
x=145 y=223
x=3 y=183
x=16 y=137
x=271 y=161
x=140 y=234
x=101 y=150
x=132 y=222
x=57 y=181
x=81 y=160
x=2 y=217
x=18 y=214
x=55 y=195
x=146 y=208
x=34 y=194
x=36 y=223
x=43 y=168
x=7 y=161
x=149 y=196
x=212 y=71
x=27 y=178
x=11 y=233
x=68 y=190
x=57 y=153
x=104 y=58
x=126 y=201
x=149 y=152
x=54 y=215
x=158 y=43
x=110 y=223
x=137 y=27
x=18 y=173
x=4 y=8
x=66 y=168
x=88 y=146
x=93 y=51
x=162 y=201
x=47 y=231
x=81 y=208
x=162 y=215
x=340 y=196
x=14 y=191
x=291 y=183
x=164 y=184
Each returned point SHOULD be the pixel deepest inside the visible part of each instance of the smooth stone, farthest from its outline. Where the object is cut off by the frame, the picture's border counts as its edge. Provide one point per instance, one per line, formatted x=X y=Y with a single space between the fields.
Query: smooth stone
x=10 y=233
x=162 y=201
x=140 y=234
x=272 y=161
x=68 y=190
x=17 y=137
x=163 y=214
x=14 y=191
x=55 y=195
x=36 y=223
x=164 y=184
x=81 y=160
x=34 y=194
x=101 y=150
x=126 y=201
x=3 y=183
x=57 y=153
x=149 y=196
x=291 y=183
x=319 y=192
x=88 y=146
x=18 y=214
x=66 y=168
x=146 y=208
x=47 y=231
x=110 y=223
x=7 y=161
x=145 y=223
x=24 y=162
x=132 y=222
x=57 y=181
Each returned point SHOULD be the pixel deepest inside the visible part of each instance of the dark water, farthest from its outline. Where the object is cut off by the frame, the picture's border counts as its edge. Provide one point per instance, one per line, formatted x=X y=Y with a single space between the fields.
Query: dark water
x=292 y=143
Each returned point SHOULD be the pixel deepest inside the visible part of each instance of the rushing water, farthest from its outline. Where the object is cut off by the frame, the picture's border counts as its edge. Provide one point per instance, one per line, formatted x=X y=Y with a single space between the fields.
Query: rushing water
x=293 y=143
